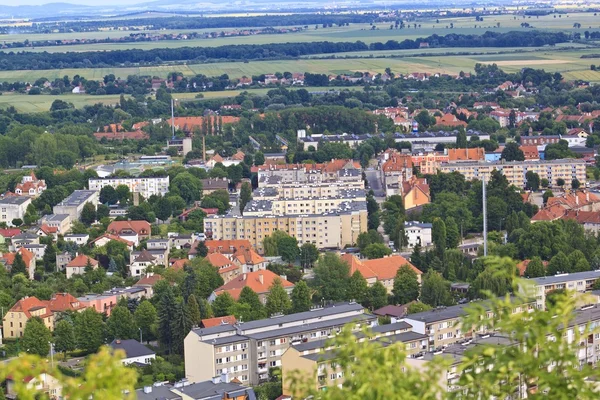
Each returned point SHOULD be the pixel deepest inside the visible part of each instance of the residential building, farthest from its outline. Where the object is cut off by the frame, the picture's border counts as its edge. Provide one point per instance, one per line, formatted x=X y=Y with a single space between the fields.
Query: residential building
x=381 y=270
x=78 y=265
x=141 y=261
x=467 y=154
x=247 y=350
x=183 y=145
x=134 y=231
x=38 y=250
x=74 y=203
x=79 y=239
x=13 y=207
x=135 y=352
x=62 y=222
x=249 y=260
x=13 y=324
x=213 y=184
x=577 y=282
x=102 y=303
x=260 y=282
x=107 y=237
x=23 y=239
x=218 y=388
x=515 y=171
x=429 y=163
x=158 y=244
x=147 y=282
x=28 y=258
x=226 y=267
x=181 y=241
x=44 y=385
x=62 y=259
x=395 y=169
x=415 y=192
x=417 y=233
x=30 y=186
x=335 y=171
x=63 y=302
x=157 y=186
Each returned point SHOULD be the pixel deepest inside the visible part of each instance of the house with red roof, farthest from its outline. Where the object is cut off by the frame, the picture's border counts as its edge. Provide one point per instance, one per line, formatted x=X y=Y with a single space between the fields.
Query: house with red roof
x=227 y=268
x=13 y=323
x=44 y=385
x=28 y=258
x=30 y=186
x=450 y=120
x=147 y=282
x=531 y=153
x=380 y=269
x=78 y=264
x=63 y=302
x=259 y=281
x=466 y=155
x=107 y=237
x=133 y=231
x=218 y=321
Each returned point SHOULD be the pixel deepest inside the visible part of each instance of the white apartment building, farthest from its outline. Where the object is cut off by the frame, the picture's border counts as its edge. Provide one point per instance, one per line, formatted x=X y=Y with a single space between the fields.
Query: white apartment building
x=417 y=232
x=577 y=282
x=73 y=204
x=147 y=187
x=13 y=207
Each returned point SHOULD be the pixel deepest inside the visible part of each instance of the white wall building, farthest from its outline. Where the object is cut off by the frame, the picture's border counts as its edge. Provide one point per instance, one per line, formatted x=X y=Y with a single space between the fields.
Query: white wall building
x=12 y=208
x=73 y=204
x=417 y=232
x=144 y=186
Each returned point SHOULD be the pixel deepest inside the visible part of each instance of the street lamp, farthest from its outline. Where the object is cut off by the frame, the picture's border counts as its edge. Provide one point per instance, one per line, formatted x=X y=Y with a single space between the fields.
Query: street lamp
x=140 y=329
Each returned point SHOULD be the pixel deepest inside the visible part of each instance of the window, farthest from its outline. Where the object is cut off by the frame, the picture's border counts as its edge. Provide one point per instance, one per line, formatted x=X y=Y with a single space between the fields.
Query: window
x=235 y=347
x=272 y=363
x=227 y=359
x=272 y=343
x=332 y=377
x=219 y=361
x=244 y=377
x=244 y=356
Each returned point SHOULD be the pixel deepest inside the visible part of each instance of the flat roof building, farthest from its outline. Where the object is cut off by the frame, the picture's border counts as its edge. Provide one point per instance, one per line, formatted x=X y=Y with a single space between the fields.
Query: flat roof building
x=73 y=204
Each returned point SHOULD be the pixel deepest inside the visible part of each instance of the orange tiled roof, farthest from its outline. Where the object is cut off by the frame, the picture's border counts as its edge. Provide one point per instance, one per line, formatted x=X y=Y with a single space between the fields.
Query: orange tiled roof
x=27 y=256
x=218 y=260
x=248 y=256
x=449 y=120
x=148 y=280
x=113 y=237
x=210 y=322
x=139 y=227
x=522 y=266
x=253 y=281
x=397 y=162
x=26 y=304
x=180 y=264
x=549 y=213
x=380 y=268
x=81 y=261
x=474 y=154
x=48 y=230
x=61 y=302
x=226 y=246
x=530 y=152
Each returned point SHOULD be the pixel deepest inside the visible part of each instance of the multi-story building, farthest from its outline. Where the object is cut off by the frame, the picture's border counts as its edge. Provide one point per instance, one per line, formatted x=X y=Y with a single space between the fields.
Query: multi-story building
x=577 y=282
x=13 y=324
x=62 y=222
x=418 y=233
x=73 y=204
x=260 y=282
x=335 y=171
x=13 y=207
x=147 y=187
x=317 y=359
x=429 y=163
x=30 y=186
x=381 y=270
x=247 y=350
x=515 y=171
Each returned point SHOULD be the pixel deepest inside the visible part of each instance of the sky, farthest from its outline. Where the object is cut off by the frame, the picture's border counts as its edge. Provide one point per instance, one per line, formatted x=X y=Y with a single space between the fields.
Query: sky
x=81 y=2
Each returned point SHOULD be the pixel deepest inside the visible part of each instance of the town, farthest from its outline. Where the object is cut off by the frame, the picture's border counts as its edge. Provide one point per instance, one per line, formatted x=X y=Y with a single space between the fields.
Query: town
x=311 y=233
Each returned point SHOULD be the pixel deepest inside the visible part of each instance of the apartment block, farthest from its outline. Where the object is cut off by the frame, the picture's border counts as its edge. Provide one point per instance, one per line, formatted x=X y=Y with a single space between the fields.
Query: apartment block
x=73 y=204
x=147 y=187
x=247 y=350
x=515 y=171
x=13 y=207
x=577 y=282
x=329 y=172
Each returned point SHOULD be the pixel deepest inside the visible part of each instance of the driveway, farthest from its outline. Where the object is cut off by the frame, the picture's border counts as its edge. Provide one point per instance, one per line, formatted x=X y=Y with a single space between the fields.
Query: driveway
x=374 y=182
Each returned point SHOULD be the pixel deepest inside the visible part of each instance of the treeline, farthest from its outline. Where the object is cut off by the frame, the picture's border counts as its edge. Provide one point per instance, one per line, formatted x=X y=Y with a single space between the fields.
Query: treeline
x=30 y=60
x=205 y=23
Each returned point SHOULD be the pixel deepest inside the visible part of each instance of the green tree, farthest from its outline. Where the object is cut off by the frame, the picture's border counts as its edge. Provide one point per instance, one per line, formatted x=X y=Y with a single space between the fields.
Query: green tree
x=377 y=296
x=452 y=233
x=18 y=266
x=376 y=250
x=36 y=337
x=193 y=310
x=187 y=186
x=167 y=307
x=108 y=195
x=309 y=254
x=575 y=184
x=438 y=236
x=88 y=214
x=120 y=324
x=406 y=285
x=256 y=310
x=332 y=276
x=301 y=298
x=162 y=209
x=64 y=337
x=560 y=182
x=547 y=194
x=181 y=324
x=559 y=264
x=417 y=307
x=222 y=304
x=435 y=290
x=512 y=152
x=461 y=139
x=89 y=330
x=533 y=181
x=496 y=279
x=278 y=300
x=357 y=288
x=535 y=268
x=259 y=158
x=245 y=196
x=146 y=319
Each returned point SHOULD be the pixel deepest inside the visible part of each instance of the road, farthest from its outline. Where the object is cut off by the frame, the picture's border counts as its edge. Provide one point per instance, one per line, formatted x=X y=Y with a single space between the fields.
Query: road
x=374 y=182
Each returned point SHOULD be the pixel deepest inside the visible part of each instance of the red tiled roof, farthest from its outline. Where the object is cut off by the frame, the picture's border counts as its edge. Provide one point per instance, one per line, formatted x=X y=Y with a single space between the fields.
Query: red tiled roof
x=81 y=261
x=253 y=281
x=180 y=264
x=474 y=154
x=210 y=322
x=26 y=304
x=148 y=280
x=248 y=256
x=218 y=260
x=226 y=246
x=139 y=227
x=48 y=230
x=27 y=256
x=522 y=266
x=397 y=162
x=113 y=237
x=380 y=268
x=61 y=302
x=9 y=232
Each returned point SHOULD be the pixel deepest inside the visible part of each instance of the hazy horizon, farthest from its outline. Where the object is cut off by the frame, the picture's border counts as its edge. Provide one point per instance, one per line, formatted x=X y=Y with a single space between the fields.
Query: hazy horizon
x=17 y=3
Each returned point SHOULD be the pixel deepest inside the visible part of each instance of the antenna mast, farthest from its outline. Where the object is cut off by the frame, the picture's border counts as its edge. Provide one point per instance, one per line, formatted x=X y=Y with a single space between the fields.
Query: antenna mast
x=484 y=218
x=172 y=121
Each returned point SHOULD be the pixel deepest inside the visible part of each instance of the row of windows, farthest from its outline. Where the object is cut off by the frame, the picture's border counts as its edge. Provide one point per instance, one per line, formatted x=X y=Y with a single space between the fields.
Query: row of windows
x=227 y=360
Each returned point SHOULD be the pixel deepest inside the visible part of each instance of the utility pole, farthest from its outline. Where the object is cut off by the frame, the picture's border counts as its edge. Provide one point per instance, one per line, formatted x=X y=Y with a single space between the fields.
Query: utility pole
x=172 y=121
x=140 y=329
x=484 y=218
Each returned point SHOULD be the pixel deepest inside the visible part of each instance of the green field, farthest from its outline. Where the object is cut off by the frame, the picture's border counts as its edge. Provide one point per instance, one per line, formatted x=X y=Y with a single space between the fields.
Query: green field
x=26 y=103
x=354 y=32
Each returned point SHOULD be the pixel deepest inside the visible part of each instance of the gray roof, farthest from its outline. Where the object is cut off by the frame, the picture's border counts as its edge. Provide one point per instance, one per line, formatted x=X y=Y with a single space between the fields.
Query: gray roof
x=14 y=200
x=77 y=197
x=56 y=217
x=423 y=225
x=25 y=236
x=438 y=314
x=206 y=390
x=403 y=337
x=392 y=327
x=132 y=348
x=81 y=235
x=227 y=340
x=549 y=280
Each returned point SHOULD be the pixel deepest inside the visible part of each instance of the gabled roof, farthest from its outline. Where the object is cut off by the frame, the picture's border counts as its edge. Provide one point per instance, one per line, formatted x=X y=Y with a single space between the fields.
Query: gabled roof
x=259 y=281
x=248 y=256
x=180 y=264
x=145 y=256
x=218 y=260
x=397 y=162
x=530 y=152
x=474 y=154
x=148 y=280
x=61 y=302
x=132 y=348
x=27 y=256
x=28 y=304
x=136 y=226
x=226 y=246
x=48 y=230
x=82 y=261
x=113 y=237
x=9 y=232
x=210 y=322
x=379 y=268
